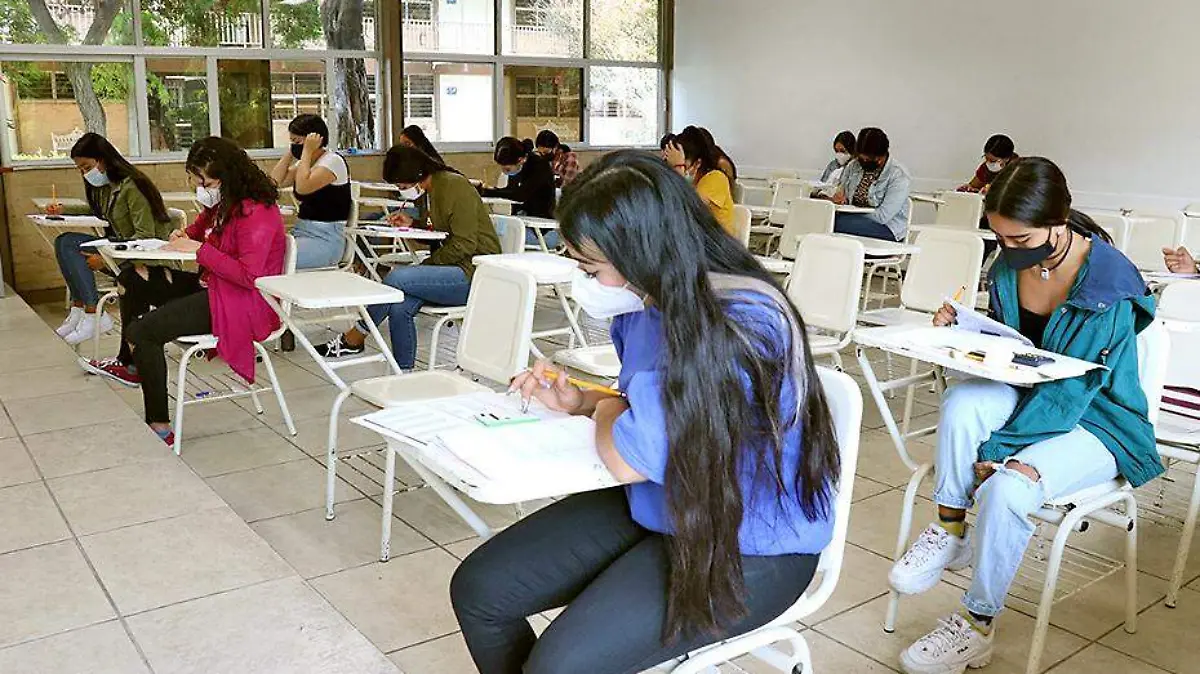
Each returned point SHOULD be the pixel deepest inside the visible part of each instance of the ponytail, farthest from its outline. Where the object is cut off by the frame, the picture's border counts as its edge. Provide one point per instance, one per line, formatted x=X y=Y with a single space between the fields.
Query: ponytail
x=1082 y=223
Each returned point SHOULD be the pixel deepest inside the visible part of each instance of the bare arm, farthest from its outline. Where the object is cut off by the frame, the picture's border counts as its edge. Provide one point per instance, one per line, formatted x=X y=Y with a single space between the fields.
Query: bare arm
x=605 y=416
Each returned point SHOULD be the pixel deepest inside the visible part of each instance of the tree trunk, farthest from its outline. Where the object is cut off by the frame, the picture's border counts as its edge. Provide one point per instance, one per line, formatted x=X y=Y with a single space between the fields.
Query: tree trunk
x=342 y=21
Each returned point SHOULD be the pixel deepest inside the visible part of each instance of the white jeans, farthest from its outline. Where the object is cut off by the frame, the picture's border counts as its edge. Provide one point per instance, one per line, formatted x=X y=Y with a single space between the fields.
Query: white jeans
x=971 y=411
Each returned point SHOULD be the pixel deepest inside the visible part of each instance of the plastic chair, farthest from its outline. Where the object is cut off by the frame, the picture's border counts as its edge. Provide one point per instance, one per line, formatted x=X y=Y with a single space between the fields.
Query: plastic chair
x=825 y=284
x=886 y=267
x=755 y=193
x=961 y=210
x=1149 y=233
x=194 y=344
x=741 y=224
x=1072 y=513
x=1117 y=227
x=787 y=190
x=1191 y=235
x=845 y=406
x=947 y=261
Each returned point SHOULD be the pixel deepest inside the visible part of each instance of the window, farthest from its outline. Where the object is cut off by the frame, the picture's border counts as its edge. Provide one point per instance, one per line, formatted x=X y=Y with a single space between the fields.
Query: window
x=451 y=102
x=71 y=22
x=624 y=30
x=544 y=98
x=449 y=27
x=543 y=28
x=623 y=106
x=177 y=103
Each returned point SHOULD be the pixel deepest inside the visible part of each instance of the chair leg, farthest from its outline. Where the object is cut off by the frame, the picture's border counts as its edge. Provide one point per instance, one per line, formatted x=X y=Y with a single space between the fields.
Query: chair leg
x=283 y=408
x=902 y=536
x=331 y=458
x=108 y=296
x=1185 y=542
x=836 y=357
x=1053 y=565
x=1131 y=565
x=181 y=396
x=389 y=492
x=576 y=330
x=434 y=340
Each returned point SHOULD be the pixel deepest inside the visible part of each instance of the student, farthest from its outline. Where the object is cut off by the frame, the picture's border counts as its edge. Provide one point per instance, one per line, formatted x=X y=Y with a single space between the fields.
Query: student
x=998 y=152
x=654 y=569
x=1180 y=261
x=444 y=278
x=843 y=151
x=237 y=238
x=1060 y=282
x=120 y=194
x=666 y=141
x=724 y=162
x=321 y=180
x=414 y=136
x=564 y=162
x=874 y=180
x=692 y=156
x=530 y=184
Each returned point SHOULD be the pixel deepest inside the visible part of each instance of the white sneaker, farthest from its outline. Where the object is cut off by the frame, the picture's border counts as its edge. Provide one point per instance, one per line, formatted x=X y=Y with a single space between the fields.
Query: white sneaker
x=72 y=321
x=88 y=327
x=950 y=649
x=934 y=551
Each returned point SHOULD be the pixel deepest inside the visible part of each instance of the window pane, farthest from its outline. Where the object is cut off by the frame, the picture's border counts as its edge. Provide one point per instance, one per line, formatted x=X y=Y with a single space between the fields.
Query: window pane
x=197 y=23
x=259 y=98
x=68 y=22
x=48 y=105
x=543 y=27
x=355 y=103
x=454 y=26
x=177 y=97
x=297 y=24
x=451 y=102
x=624 y=30
x=538 y=97
x=623 y=106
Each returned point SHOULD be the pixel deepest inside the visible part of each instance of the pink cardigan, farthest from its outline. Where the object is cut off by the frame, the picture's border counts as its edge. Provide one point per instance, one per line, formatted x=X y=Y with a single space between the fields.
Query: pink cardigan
x=250 y=245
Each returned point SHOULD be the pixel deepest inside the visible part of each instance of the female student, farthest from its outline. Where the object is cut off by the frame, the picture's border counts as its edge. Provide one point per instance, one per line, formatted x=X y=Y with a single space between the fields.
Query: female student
x=877 y=181
x=530 y=184
x=119 y=193
x=414 y=136
x=843 y=151
x=694 y=157
x=444 y=278
x=728 y=498
x=237 y=238
x=321 y=180
x=724 y=162
x=564 y=162
x=998 y=152
x=1064 y=287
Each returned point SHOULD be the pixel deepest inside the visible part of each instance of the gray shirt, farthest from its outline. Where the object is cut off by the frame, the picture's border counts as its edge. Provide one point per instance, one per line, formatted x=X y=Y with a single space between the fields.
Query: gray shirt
x=888 y=196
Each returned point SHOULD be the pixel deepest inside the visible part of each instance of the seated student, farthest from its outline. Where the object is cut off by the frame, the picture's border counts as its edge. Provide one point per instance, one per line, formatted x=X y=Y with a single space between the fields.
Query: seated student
x=1180 y=261
x=321 y=180
x=530 y=184
x=843 y=151
x=564 y=162
x=664 y=143
x=237 y=238
x=874 y=180
x=414 y=136
x=693 y=157
x=121 y=194
x=1008 y=450
x=652 y=570
x=998 y=152
x=444 y=278
x=724 y=162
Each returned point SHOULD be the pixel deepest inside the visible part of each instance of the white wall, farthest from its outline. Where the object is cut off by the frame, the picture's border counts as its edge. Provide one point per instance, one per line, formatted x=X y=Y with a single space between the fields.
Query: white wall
x=1109 y=89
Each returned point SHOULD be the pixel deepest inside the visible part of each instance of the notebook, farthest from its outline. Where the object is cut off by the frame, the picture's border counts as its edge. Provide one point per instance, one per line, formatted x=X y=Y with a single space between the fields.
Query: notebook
x=973 y=321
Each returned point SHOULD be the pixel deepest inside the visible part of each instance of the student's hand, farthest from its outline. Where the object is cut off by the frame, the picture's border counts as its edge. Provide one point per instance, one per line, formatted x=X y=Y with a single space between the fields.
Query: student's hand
x=963 y=188
x=983 y=190
x=674 y=156
x=558 y=394
x=95 y=262
x=1179 y=261
x=182 y=245
x=312 y=143
x=839 y=198
x=945 y=316
x=54 y=209
x=180 y=233
x=399 y=219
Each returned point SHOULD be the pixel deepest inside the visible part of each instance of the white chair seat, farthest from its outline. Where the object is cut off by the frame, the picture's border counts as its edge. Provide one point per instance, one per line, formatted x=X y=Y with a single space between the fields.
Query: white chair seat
x=545 y=268
x=766 y=229
x=205 y=341
x=601 y=361
x=895 y=316
x=823 y=344
x=775 y=265
x=1177 y=429
x=432 y=310
x=1085 y=495
x=385 y=391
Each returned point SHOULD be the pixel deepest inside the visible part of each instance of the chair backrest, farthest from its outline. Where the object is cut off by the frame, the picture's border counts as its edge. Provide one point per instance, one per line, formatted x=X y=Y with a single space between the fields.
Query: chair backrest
x=755 y=193
x=827 y=281
x=805 y=216
x=1149 y=233
x=741 y=224
x=1154 y=348
x=787 y=189
x=1117 y=227
x=511 y=231
x=1179 y=309
x=961 y=209
x=947 y=260
x=496 y=332
x=1191 y=235
x=782 y=174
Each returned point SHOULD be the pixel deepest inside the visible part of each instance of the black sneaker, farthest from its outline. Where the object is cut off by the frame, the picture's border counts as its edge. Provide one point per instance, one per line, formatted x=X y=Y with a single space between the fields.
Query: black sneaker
x=338 y=348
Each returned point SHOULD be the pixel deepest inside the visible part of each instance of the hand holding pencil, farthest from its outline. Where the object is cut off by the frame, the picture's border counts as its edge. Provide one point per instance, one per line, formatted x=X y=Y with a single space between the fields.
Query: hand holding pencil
x=947 y=316
x=554 y=389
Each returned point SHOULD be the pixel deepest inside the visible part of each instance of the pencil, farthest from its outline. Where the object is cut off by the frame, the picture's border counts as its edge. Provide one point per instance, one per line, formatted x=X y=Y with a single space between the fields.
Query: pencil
x=585 y=385
x=959 y=295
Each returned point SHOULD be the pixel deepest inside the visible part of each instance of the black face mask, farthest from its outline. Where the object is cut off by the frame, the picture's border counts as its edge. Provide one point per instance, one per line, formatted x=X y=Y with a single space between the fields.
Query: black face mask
x=1024 y=258
x=297 y=149
x=868 y=165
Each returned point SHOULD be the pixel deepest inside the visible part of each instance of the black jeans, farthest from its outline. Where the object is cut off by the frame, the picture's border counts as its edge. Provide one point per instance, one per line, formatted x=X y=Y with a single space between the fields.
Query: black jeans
x=138 y=295
x=149 y=334
x=586 y=553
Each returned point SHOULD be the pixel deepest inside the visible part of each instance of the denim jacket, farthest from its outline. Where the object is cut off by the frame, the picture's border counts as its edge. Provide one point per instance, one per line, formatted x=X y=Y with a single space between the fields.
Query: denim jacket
x=888 y=196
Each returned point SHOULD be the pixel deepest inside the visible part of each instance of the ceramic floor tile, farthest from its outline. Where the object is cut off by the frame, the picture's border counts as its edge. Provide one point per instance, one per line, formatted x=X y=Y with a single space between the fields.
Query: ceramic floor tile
x=315 y=547
x=313 y=435
x=291 y=377
x=217 y=418
x=46 y=381
x=239 y=450
x=280 y=627
x=100 y=649
x=1097 y=658
x=107 y=445
x=50 y=355
x=47 y=590
x=152 y=565
x=426 y=512
x=67 y=410
x=865 y=488
x=7 y=430
x=879 y=461
x=827 y=656
x=863 y=577
x=133 y=494
x=1161 y=633
x=1157 y=548
x=444 y=655
x=15 y=464
x=875 y=522
x=29 y=517
x=463 y=548
x=369 y=596
x=277 y=490
x=309 y=403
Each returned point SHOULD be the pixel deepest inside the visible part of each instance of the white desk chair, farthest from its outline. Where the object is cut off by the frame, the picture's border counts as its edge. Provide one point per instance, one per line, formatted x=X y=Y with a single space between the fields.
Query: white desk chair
x=1117 y=227
x=961 y=210
x=777 y=174
x=887 y=267
x=755 y=193
x=845 y=406
x=1071 y=513
x=1149 y=233
x=787 y=190
x=804 y=216
x=825 y=285
x=1191 y=235
x=946 y=261
x=194 y=344
x=741 y=224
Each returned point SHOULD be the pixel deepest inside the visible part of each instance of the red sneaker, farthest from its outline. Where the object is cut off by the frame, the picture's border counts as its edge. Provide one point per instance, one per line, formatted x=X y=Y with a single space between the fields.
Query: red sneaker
x=113 y=369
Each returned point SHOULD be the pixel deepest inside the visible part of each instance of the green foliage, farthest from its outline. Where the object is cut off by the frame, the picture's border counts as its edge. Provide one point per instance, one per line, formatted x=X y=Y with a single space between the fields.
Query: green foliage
x=112 y=81
x=294 y=25
x=17 y=24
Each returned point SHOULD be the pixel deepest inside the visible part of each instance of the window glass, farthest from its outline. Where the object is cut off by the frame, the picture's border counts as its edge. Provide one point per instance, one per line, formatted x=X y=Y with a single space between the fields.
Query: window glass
x=624 y=30
x=259 y=98
x=90 y=22
x=453 y=27
x=540 y=97
x=451 y=102
x=323 y=24
x=177 y=100
x=623 y=106
x=543 y=28
x=355 y=103
x=193 y=23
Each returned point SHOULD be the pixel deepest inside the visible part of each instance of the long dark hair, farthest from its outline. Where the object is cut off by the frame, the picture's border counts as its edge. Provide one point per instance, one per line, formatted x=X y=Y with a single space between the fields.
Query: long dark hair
x=650 y=223
x=306 y=123
x=847 y=140
x=720 y=154
x=1033 y=190
x=240 y=177
x=697 y=147
x=408 y=165
x=510 y=150
x=117 y=168
x=417 y=135
x=1000 y=146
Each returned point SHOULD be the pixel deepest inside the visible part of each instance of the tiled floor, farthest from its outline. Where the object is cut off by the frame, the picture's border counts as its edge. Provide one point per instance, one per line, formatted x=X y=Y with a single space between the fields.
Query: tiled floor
x=116 y=557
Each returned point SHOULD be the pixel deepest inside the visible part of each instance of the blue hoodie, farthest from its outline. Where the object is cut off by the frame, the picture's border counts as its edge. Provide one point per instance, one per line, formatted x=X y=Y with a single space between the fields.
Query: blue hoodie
x=1099 y=322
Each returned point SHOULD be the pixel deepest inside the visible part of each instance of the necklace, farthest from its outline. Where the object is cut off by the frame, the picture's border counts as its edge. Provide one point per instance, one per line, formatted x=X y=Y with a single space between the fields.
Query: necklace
x=1046 y=270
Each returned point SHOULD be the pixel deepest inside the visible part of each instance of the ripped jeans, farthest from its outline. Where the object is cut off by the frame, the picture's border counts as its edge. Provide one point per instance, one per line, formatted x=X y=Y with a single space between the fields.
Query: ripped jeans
x=971 y=411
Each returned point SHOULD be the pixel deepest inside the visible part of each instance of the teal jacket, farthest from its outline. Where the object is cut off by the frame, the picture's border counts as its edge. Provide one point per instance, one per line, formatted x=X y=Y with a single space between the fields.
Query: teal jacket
x=1099 y=322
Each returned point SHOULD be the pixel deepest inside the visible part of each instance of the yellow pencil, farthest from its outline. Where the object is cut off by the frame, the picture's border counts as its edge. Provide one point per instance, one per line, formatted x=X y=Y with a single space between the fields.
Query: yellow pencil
x=959 y=295
x=585 y=385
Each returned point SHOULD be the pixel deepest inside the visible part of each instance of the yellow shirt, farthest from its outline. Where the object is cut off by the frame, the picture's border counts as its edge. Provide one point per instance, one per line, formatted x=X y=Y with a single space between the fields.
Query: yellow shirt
x=715 y=193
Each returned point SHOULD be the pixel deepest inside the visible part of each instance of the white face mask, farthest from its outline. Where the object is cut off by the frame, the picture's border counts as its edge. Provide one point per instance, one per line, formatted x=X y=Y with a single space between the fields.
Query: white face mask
x=601 y=301
x=842 y=158
x=208 y=196
x=411 y=193
x=995 y=166
x=96 y=177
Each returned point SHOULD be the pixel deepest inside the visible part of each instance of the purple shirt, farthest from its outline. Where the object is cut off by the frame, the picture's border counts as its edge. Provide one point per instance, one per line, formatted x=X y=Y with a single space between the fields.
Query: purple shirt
x=770 y=526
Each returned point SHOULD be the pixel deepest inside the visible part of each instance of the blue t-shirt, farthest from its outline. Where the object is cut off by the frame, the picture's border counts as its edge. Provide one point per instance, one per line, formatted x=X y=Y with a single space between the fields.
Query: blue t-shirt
x=770 y=526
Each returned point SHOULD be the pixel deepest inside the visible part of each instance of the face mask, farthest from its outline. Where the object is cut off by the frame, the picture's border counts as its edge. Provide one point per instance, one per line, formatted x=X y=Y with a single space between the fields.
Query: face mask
x=411 y=193
x=96 y=177
x=515 y=171
x=868 y=165
x=842 y=158
x=297 y=149
x=1024 y=258
x=208 y=197
x=601 y=301
x=994 y=166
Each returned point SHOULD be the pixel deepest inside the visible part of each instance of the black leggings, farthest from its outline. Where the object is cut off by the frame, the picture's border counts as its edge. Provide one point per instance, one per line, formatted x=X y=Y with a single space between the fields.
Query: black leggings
x=586 y=553
x=137 y=295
